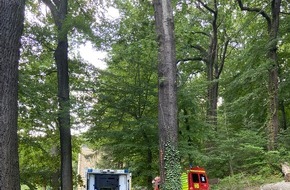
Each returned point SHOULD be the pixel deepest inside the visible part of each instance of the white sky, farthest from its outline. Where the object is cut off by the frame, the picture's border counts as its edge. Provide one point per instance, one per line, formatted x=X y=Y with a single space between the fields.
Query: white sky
x=87 y=51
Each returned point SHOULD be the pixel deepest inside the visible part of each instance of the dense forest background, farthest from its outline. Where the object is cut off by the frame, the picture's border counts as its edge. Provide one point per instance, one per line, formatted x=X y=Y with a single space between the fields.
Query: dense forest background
x=233 y=88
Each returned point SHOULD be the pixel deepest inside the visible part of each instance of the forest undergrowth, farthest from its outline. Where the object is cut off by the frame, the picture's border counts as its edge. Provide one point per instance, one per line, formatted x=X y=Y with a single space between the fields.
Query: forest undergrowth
x=246 y=182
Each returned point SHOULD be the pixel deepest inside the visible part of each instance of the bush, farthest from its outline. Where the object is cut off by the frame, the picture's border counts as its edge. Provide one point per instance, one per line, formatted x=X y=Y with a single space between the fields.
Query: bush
x=244 y=181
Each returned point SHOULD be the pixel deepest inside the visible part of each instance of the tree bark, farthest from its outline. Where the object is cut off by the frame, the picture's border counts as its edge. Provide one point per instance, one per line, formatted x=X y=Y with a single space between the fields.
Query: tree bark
x=11 y=27
x=59 y=13
x=167 y=100
x=272 y=27
x=64 y=114
x=212 y=71
x=214 y=65
x=273 y=76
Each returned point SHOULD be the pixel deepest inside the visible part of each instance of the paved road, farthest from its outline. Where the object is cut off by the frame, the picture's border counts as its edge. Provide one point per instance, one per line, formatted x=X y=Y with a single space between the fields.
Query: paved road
x=276 y=186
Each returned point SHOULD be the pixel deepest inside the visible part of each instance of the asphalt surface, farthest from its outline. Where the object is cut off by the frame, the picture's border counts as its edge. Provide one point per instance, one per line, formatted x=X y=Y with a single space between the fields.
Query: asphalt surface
x=276 y=186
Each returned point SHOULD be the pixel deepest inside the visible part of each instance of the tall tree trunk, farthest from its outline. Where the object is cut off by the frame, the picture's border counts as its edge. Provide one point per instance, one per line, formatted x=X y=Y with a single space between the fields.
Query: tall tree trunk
x=167 y=90
x=214 y=66
x=61 y=58
x=11 y=27
x=273 y=27
x=59 y=12
x=273 y=75
x=212 y=70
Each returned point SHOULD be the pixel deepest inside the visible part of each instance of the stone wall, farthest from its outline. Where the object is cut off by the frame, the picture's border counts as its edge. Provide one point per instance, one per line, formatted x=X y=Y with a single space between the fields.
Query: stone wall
x=87 y=159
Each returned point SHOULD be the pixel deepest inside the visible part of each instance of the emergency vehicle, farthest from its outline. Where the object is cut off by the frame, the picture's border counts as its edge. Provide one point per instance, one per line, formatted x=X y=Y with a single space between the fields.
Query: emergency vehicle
x=108 y=179
x=194 y=178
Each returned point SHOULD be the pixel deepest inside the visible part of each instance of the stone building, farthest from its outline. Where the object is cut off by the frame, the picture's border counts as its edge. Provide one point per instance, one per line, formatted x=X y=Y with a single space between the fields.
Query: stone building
x=87 y=158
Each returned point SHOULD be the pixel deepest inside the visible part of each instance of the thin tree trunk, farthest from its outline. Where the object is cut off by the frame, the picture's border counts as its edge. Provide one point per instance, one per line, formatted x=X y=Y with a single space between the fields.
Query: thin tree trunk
x=59 y=13
x=11 y=27
x=167 y=89
x=273 y=27
x=64 y=114
x=213 y=67
x=273 y=76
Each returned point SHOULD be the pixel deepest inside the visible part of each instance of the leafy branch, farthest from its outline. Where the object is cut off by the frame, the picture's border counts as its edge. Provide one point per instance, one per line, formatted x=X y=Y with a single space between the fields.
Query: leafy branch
x=260 y=11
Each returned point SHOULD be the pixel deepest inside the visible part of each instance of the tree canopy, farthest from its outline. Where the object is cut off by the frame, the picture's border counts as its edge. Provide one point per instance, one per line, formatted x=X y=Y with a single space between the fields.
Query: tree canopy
x=232 y=80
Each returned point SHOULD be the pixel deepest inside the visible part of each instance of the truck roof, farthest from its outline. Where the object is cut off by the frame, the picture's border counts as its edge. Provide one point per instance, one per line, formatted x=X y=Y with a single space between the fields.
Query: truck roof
x=108 y=171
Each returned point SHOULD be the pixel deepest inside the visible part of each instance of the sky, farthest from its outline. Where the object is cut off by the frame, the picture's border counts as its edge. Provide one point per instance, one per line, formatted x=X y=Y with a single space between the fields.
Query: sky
x=96 y=58
x=88 y=53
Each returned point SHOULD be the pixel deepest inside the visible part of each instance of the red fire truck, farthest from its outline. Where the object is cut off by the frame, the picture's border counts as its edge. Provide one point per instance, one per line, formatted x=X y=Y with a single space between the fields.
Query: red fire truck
x=194 y=178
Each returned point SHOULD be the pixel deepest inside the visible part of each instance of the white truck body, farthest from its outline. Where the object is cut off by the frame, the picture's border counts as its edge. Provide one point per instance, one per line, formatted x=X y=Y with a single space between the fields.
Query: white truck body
x=108 y=179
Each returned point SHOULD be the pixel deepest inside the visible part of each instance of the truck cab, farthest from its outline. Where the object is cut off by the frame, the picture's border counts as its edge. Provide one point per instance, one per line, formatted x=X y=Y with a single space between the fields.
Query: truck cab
x=196 y=179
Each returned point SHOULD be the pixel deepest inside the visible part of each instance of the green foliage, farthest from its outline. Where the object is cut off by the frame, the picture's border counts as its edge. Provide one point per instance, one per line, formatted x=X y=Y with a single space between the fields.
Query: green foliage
x=232 y=153
x=172 y=168
x=38 y=132
x=125 y=116
x=245 y=181
x=119 y=104
x=38 y=129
